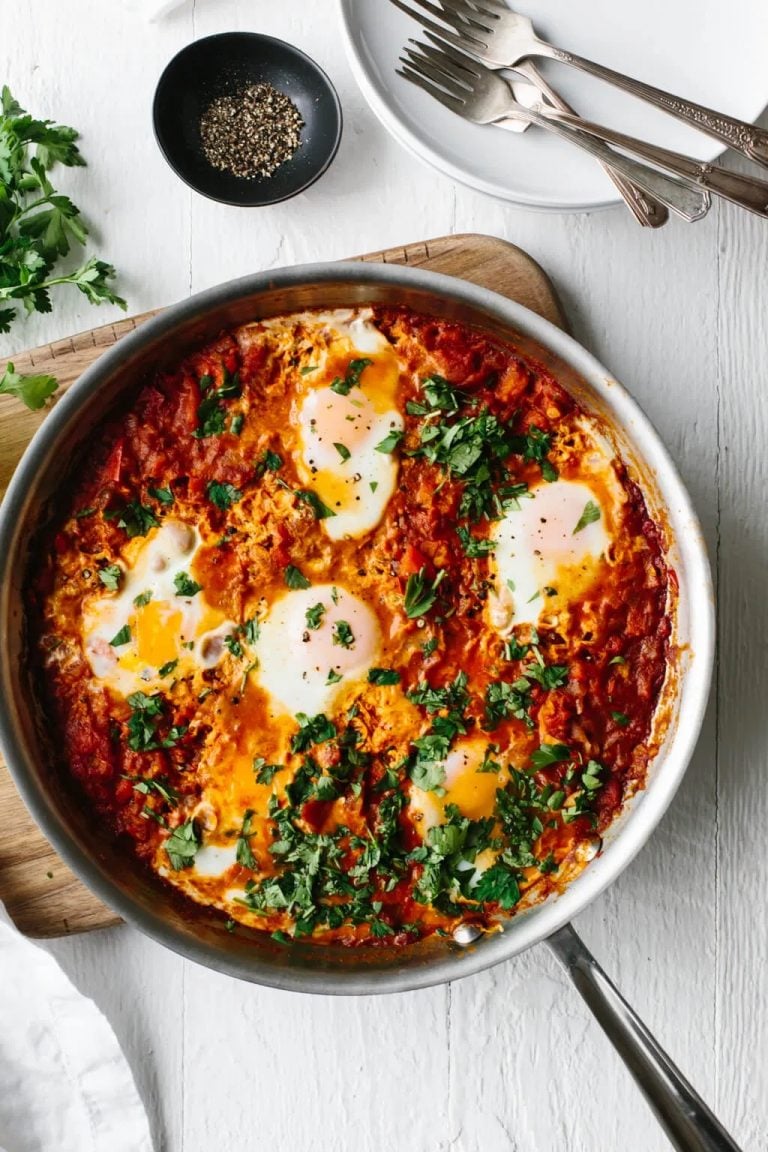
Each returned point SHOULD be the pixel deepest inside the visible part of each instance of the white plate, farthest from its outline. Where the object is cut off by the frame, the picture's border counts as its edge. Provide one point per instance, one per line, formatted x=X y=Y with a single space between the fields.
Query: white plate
x=705 y=50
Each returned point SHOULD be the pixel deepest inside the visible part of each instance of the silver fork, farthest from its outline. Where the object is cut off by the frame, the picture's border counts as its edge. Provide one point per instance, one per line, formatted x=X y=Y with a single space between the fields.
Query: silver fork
x=502 y=38
x=645 y=209
x=478 y=94
x=746 y=191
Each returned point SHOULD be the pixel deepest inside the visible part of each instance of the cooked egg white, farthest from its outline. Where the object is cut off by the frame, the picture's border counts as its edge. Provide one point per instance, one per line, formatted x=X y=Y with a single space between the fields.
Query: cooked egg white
x=546 y=552
x=129 y=635
x=313 y=643
x=339 y=434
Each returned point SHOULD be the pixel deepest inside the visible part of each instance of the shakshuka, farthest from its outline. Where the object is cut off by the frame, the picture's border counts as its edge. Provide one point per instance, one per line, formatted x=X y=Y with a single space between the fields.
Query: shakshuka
x=354 y=626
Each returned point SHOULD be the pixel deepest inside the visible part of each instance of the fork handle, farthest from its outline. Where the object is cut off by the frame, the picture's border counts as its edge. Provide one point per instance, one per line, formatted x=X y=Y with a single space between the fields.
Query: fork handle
x=746 y=191
x=646 y=210
x=737 y=134
x=682 y=197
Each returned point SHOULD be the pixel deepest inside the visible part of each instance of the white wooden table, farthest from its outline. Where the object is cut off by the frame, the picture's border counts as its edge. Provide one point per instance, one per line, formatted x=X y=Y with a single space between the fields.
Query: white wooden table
x=508 y=1060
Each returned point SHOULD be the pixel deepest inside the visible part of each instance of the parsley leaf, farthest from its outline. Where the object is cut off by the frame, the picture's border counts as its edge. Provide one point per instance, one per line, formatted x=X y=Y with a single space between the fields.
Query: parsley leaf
x=111 y=576
x=166 y=669
x=390 y=441
x=498 y=885
x=321 y=511
x=294 y=578
x=314 y=616
x=312 y=730
x=548 y=754
x=31 y=390
x=223 y=495
x=234 y=646
x=163 y=495
x=352 y=376
x=503 y=699
x=343 y=451
x=590 y=514
x=620 y=718
x=265 y=773
x=549 y=676
x=383 y=676
x=182 y=845
x=420 y=594
x=211 y=418
x=343 y=635
x=474 y=546
x=243 y=853
x=268 y=462
x=122 y=637
x=185 y=585
x=134 y=517
x=142 y=599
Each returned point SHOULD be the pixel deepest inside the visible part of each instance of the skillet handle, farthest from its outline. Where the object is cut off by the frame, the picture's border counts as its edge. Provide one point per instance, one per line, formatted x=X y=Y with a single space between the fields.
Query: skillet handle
x=686 y=1119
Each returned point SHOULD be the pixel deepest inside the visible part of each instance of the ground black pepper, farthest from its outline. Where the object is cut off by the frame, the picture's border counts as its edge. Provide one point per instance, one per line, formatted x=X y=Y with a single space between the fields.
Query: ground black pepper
x=251 y=132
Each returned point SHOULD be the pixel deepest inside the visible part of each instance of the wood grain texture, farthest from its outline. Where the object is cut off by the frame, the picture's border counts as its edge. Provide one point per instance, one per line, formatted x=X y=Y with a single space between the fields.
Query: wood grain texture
x=509 y=1060
x=41 y=894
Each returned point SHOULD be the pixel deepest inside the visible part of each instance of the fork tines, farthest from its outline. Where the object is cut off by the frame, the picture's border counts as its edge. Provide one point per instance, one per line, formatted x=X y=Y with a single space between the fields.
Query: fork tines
x=466 y=35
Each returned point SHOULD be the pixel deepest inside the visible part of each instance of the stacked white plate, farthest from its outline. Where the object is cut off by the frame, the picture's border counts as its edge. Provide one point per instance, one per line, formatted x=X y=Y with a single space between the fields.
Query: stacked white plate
x=707 y=51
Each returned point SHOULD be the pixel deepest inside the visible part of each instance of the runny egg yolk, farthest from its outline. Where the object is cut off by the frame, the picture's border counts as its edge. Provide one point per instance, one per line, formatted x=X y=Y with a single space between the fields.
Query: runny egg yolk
x=343 y=453
x=153 y=619
x=472 y=791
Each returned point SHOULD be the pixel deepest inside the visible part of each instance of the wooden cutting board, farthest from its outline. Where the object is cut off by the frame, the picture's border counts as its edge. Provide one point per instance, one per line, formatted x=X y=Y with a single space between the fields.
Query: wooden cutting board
x=41 y=894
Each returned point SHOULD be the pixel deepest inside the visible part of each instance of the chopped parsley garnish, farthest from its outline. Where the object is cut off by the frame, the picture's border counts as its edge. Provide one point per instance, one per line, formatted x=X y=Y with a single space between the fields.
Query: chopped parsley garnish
x=162 y=495
x=439 y=395
x=617 y=660
x=294 y=578
x=182 y=845
x=142 y=599
x=146 y=712
x=307 y=369
x=503 y=699
x=428 y=771
x=383 y=676
x=430 y=646
x=111 y=576
x=166 y=669
x=590 y=777
x=236 y=424
x=223 y=495
x=548 y=754
x=250 y=629
x=343 y=451
x=314 y=616
x=268 y=462
x=312 y=730
x=158 y=784
x=620 y=718
x=211 y=417
x=185 y=585
x=265 y=773
x=333 y=676
x=135 y=518
x=590 y=514
x=474 y=546
x=535 y=446
x=420 y=594
x=243 y=853
x=83 y=512
x=233 y=645
x=352 y=376
x=390 y=441
x=321 y=511
x=343 y=634
x=230 y=385
x=121 y=637
x=549 y=676
x=498 y=885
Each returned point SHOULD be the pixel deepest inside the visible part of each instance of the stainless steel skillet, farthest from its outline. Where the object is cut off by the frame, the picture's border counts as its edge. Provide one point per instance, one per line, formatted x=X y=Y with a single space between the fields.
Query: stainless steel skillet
x=61 y=446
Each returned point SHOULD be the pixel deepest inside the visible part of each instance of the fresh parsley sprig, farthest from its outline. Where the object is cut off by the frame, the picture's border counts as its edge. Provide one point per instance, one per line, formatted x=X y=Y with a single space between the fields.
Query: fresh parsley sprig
x=38 y=227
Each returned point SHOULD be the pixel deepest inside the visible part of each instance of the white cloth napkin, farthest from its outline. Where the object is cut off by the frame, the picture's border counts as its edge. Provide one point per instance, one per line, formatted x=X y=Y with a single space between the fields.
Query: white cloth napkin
x=65 y=1085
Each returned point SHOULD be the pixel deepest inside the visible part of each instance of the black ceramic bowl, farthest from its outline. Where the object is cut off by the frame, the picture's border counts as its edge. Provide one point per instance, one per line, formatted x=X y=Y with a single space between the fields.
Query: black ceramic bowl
x=219 y=66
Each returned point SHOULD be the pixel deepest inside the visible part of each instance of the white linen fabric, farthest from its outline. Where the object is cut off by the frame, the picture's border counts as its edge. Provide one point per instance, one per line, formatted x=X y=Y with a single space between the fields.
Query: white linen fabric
x=65 y=1085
